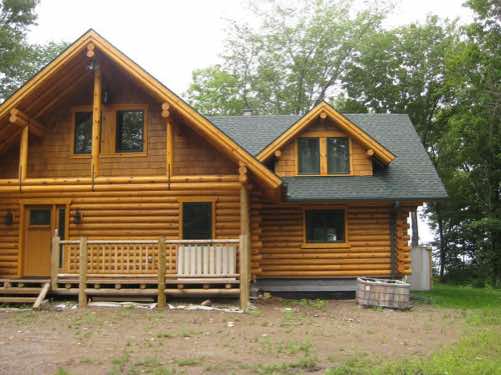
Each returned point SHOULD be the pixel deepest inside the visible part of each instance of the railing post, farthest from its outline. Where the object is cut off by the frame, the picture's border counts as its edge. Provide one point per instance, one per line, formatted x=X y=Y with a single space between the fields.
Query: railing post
x=54 y=266
x=82 y=296
x=161 y=274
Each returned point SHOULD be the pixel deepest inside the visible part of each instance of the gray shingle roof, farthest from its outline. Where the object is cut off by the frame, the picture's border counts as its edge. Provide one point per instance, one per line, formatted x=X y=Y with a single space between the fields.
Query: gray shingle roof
x=410 y=176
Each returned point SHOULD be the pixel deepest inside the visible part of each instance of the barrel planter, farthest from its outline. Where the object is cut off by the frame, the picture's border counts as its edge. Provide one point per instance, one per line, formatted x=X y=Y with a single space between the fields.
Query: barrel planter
x=394 y=294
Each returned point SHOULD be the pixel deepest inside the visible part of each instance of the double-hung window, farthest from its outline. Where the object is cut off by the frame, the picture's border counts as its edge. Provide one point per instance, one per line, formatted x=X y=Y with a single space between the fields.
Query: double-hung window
x=309 y=155
x=338 y=155
x=323 y=156
x=325 y=226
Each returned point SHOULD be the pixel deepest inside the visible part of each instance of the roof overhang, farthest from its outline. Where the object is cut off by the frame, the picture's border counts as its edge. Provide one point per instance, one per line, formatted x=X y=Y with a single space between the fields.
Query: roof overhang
x=158 y=90
x=327 y=111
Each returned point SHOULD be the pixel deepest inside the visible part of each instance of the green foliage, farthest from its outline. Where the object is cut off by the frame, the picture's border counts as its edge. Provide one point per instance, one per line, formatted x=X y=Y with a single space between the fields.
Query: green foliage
x=293 y=60
x=20 y=60
x=459 y=297
x=446 y=76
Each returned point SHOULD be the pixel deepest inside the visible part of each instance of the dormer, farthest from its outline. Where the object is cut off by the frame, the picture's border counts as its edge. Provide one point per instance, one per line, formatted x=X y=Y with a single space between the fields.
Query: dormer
x=325 y=143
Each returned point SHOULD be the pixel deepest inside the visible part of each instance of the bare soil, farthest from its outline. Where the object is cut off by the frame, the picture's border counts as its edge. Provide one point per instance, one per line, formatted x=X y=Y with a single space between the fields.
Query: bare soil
x=280 y=336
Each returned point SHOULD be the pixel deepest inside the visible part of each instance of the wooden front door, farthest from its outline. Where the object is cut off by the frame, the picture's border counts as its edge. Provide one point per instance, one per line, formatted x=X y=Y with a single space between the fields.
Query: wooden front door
x=39 y=226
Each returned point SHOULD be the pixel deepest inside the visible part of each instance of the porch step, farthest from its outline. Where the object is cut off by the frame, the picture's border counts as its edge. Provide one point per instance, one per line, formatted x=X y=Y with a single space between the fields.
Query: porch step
x=25 y=300
x=24 y=295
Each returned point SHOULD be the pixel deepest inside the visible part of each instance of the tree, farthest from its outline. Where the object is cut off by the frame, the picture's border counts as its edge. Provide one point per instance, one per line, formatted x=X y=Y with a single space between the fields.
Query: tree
x=292 y=61
x=471 y=148
x=20 y=60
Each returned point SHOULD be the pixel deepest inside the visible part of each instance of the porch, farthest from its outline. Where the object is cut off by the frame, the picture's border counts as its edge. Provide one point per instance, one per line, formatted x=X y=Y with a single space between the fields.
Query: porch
x=136 y=269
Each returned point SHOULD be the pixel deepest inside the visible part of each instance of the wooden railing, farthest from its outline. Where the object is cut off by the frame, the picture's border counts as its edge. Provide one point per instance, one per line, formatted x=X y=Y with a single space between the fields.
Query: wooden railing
x=183 y=258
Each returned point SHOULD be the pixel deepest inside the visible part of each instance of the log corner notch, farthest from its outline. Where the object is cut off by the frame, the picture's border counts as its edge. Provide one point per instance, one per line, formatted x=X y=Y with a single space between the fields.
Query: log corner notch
x=245 y=245
x=169 y=139
x=394 y=212
x=21 y=119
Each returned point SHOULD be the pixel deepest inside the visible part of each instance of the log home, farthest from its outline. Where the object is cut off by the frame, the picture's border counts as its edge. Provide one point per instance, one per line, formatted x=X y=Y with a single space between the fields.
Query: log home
x=110 y=184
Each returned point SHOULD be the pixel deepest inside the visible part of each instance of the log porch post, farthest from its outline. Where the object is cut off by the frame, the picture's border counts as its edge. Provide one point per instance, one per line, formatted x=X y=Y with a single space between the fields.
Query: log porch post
x=23 y=154
x=161 y=274
x=54 y=267
x=244 y=254
x=96 y=121
x=169 y=132
x=82 y=295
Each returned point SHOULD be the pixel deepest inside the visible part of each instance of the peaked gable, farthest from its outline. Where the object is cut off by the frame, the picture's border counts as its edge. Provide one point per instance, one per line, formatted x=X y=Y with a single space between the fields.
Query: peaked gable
x=198 y=122
x=325 y=110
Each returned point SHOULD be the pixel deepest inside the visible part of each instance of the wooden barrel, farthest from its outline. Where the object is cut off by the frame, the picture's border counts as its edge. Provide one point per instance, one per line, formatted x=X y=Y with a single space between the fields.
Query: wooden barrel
x=394 y=294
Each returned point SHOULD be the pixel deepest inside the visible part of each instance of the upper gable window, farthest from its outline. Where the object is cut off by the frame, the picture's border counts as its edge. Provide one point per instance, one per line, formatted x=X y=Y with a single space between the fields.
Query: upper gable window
x=309 y=155
x=338 y=155
x=130 y=131
x=83 y=133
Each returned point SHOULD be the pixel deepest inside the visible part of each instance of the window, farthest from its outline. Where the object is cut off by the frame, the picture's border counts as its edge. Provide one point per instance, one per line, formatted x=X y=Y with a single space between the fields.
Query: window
x=309 y=155
x=325 y=226
x=338 y=155
x=83 y=133
x=197 y=221
x=130 y=131
x=40 y=216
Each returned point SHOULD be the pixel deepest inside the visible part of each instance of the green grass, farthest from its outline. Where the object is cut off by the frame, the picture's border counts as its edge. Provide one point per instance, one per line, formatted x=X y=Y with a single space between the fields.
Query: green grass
x=479 y=352
x=462 y=297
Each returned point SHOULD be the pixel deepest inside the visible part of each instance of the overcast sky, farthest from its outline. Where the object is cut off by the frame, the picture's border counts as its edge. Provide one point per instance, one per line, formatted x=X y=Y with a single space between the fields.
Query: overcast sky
x=172 y=38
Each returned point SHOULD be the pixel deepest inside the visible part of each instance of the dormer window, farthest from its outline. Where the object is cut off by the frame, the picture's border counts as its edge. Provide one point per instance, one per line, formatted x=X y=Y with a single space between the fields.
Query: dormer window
x=309 y=155
x=338 y=155
x=323 y=155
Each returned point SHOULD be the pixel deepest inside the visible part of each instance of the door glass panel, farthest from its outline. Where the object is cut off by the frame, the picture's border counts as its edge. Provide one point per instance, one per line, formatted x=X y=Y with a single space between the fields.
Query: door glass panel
x=61 y=213
x=40 y=216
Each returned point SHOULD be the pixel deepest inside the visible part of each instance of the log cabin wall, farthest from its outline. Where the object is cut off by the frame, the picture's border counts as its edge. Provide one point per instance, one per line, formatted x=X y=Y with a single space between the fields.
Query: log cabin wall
x=9 y=163
x=131 y=214
x=360 y=163
x=278 y=249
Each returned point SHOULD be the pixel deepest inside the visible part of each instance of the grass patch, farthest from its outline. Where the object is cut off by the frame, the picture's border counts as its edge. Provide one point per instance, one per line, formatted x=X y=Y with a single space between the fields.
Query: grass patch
x=476 y=354
x=316 y=304
x=462 y=297
x=188 y=362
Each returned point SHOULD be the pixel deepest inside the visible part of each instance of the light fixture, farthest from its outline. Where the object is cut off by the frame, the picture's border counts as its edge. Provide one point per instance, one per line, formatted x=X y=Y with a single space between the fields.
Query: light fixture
x=92 y=65
x=106 y=97
x=77 y=217
x=9 y=218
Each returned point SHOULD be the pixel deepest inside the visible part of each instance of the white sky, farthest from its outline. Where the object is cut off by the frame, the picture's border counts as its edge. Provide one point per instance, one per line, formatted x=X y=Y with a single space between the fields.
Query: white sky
x=171 y=38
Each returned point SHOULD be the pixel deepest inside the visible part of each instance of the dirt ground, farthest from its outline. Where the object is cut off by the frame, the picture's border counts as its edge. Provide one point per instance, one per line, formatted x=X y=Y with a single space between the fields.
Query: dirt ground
x=280 y=336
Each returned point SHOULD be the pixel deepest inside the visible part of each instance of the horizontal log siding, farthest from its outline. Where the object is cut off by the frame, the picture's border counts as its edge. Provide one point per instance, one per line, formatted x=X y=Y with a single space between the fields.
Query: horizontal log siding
x=361 y=164
x=9 y=239
x=124 y=215
x=278 y=251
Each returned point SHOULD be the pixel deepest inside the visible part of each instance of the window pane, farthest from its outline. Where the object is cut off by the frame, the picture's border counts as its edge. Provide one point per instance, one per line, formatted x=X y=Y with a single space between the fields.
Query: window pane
x=130 y=131
x=197 y=221
x=40 y=216
x=83 y=133
x=309 y=155
x=338 y=155
x=325 y=226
